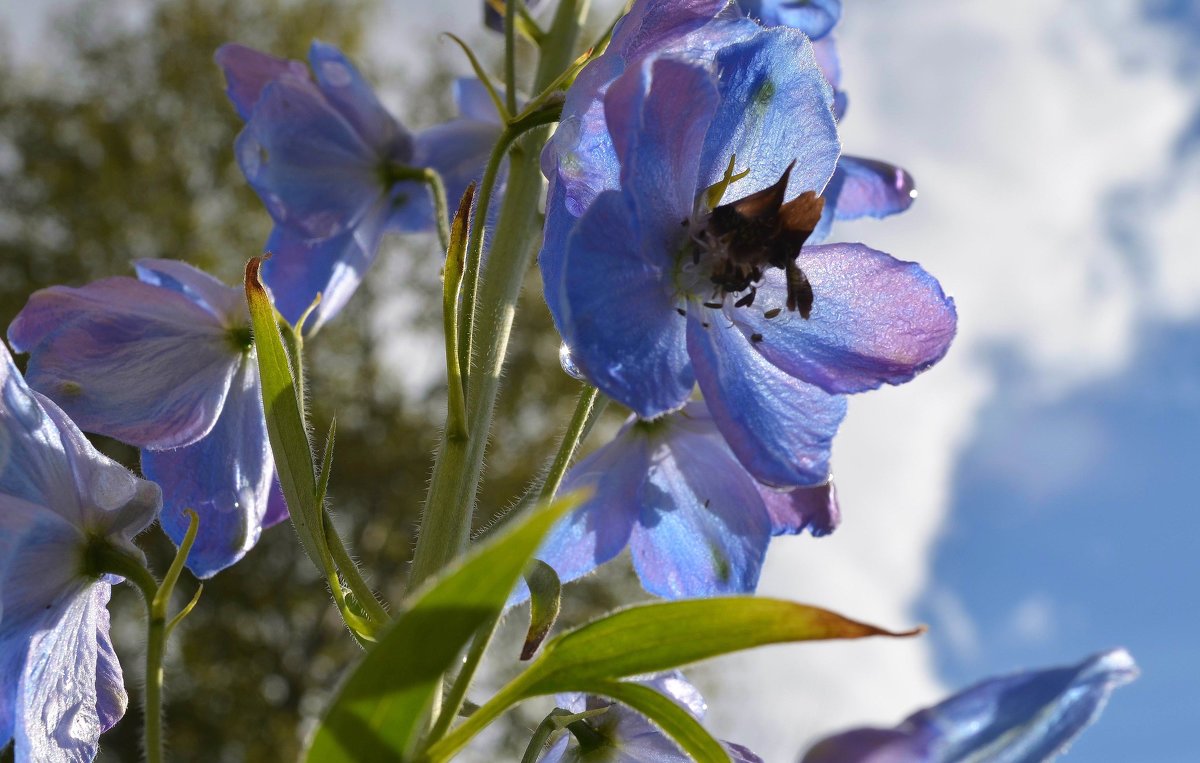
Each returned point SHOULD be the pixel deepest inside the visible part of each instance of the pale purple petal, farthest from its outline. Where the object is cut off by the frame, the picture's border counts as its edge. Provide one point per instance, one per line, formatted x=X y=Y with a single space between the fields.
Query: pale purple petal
x=36 y=574
x=350 y=94
x=875 y=319
x=57 y=718
x=703 y=530
x=807 y=508
x=308 y=164
x=297 y=271
x=598 y=530
x=247 y=72
x=815 y=18
x=111 y=699
x=277 y=509
x=776 y=108
x=779 y=427
x=458 y=150
x=618 y=316
x=226 y=303
x=226 y=478
x=126 y=359
x=474 y=101
x=868 y=188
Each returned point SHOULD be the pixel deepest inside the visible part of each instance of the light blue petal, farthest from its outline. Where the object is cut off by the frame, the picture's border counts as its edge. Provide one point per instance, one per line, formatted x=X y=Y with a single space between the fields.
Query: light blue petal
x=776 y=108
x=46 y=461
x=277 y=509
x=225 y=477
x=111 y=699
x=618 y=315
x=658 y=114
x=227 y=303
x=1027 y=717
x=779 y=427
x=308 y=164
x=874 y=320
x=458 y=150
x=57 y=713
x=247 y=72
x=298 y=270
x=868 y=188
x=598 y=530
x=350 y=94
x=39 y=565
x=126 y=359
x=703 y=529
x=816 y=18
x=474 y=101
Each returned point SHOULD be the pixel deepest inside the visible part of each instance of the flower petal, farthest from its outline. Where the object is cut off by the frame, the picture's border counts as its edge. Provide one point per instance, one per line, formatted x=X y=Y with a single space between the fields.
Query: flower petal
x=808 y=508
x=826 y=53
x=226 y=478
x=57 y=713
x=776 y=108
x=350 y=94
x=658 y=114
x=703 y=530
x=458 y=150
x=39 y=564
x=1022 y=718
x=779 y=427
x=875 y=319
x=226 y=303
x=247 y=72
x=816 y=18
x=598 y=530
x=277 y=509
x=869 y=188
x=126 y=359
x=308 y=164
x=617 y=316
x=474 y=101
x=298 y=271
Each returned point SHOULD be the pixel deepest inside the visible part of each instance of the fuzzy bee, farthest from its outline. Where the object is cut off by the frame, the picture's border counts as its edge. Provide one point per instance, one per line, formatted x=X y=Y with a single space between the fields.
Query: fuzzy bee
x=760 y=231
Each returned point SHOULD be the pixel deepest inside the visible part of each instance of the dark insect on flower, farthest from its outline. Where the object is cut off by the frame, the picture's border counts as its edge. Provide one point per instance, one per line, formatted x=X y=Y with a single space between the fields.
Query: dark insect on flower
x=761 y=231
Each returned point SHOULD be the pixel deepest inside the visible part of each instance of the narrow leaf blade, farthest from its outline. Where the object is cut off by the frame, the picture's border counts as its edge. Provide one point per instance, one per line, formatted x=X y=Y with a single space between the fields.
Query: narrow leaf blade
x=656 y=637
x=380 y=711
x=285 y=422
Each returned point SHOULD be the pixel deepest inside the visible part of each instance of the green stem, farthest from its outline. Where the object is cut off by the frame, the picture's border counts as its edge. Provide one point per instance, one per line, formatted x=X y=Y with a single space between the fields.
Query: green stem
x=587 y=409
x=490 y=306
x=446 y=747
x=510 y=55
x=437 y=189
x=541 y=735
x=362 y=591
x=462 y=682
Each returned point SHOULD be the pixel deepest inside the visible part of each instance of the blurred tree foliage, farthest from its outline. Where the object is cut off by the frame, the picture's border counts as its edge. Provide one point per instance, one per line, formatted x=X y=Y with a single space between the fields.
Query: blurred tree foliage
x=121 y=148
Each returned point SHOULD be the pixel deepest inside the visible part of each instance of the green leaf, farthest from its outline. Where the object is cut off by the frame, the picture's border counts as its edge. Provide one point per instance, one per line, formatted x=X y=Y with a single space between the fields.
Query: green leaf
x=675 y=722
x=381 y=710
x=285 y=421
x=654 y=637
x=545 y=600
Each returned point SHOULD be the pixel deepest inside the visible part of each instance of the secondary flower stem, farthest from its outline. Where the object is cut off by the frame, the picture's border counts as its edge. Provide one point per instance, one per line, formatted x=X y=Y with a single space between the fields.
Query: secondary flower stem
x=588 y=408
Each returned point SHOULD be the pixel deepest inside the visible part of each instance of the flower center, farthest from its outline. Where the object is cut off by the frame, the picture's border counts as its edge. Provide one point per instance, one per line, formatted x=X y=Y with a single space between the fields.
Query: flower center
x=730 y=246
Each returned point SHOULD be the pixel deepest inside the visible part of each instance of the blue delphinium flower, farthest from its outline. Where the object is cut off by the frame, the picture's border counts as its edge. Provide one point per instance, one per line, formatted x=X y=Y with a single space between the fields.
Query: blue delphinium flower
x=165 y=362
x=323 y=153
x=860 y=187
x=622 y=735
x=696 y=523
x=656 y=289
x=60 y=681
x=1027 y=717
